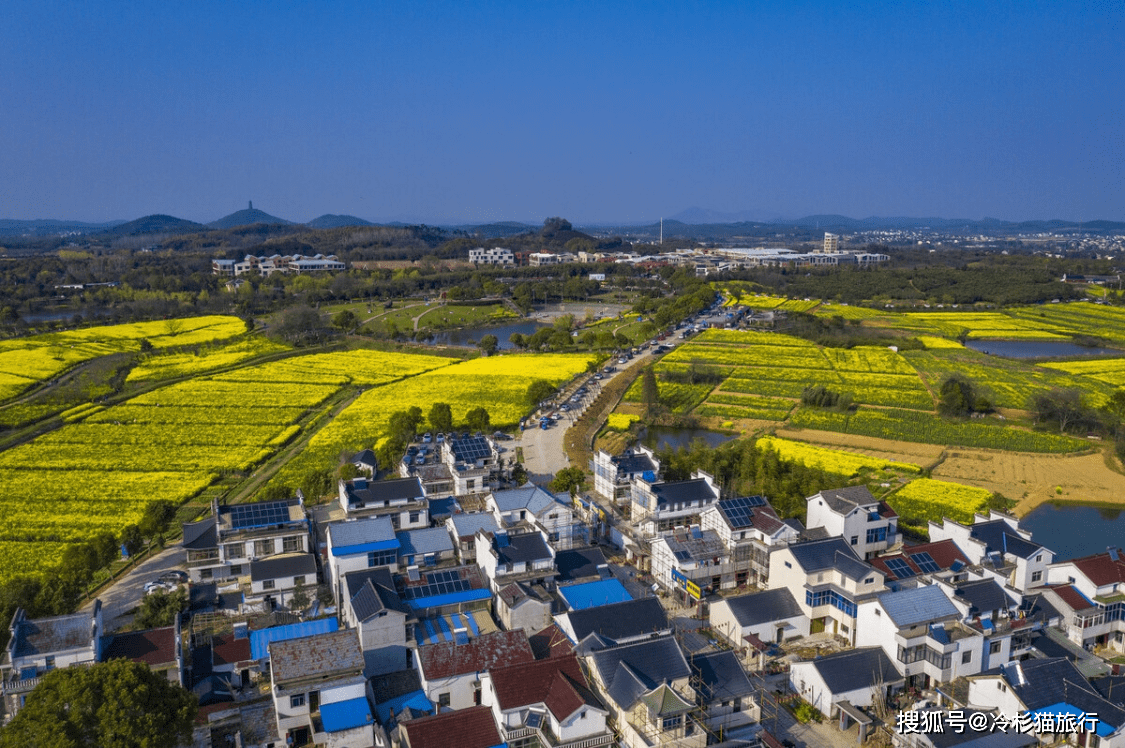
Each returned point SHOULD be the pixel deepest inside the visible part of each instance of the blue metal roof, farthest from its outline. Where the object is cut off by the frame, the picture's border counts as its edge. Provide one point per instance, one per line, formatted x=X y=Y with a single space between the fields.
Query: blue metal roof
x=345 y=715
x=593 y=594
x=259 y=640
x=378 y=545
x=1103 y=729
x=415 y=700
x=448 y=599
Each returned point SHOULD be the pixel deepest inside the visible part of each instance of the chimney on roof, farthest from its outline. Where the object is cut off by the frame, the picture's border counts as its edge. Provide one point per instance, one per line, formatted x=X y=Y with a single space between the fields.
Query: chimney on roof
x=251 y=205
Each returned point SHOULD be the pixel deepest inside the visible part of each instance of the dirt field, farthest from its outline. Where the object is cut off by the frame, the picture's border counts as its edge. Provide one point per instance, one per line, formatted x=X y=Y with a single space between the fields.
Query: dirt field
x=1031 y=479
x=884 y=449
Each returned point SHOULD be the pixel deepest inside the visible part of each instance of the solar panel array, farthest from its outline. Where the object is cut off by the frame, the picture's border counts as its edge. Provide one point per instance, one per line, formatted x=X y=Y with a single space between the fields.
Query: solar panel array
x=899 y=568
x=472 y=449
x=925 y=562
x=740 y=511
x=245 y=516
x=439 y=583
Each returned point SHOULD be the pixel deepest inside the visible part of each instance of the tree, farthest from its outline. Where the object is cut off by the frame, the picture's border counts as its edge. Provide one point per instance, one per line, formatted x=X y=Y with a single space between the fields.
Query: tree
x=650 y=390
x=552 y=226
x=156 y=517
x=538 y=391
x=132 y=539
x=118 y=703
x=956 y=397
x=570 y=479
x=160 y=608
x=441 y=417
x=345 y=321
x=518 y=340
x=301 y=325
x=1065 y=407
x=478 y=419
x=300 y=599
x=105 y=548
x=489 y=344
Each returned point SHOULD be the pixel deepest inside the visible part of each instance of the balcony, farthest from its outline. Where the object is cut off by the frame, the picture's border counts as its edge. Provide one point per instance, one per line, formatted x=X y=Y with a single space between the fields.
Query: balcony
x=531 y=737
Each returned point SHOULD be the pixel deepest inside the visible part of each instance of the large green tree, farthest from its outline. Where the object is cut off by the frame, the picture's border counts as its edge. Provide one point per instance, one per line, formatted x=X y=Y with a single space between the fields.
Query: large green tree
x=538 y=391
x=441 y=417
x=118 y=703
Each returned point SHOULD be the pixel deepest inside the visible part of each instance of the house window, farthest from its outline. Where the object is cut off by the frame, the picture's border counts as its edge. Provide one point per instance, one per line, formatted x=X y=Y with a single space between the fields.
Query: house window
x=788 y=565
x=738 y=704
x=292 y=544
x=50 y=662
x=993 y=647
x=671 y=723
x=967 y=658
x=869 y=580
x=236 y=570
x=1036 y=576
x=235 y=550
x=381 y=558
x=263 y=547
x=414 y=517
x=206 y=573
x=443 y=700
x=855 y=540
x=553 y=537
x=296 y=701
x=876 y=535
x=1039 y=558
x=553 y=515
x=268 y=584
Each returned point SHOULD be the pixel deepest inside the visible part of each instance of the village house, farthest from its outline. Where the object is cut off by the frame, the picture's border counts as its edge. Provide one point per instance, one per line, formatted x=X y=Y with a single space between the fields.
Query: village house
x=223 y=545
x=402 y=499
x=868 y=525
x=1000 y=548
x=451 y=671
x=749 y=528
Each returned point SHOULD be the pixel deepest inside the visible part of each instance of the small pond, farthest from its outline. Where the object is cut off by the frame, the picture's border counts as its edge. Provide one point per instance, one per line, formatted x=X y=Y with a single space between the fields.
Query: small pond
x=474 y=334
x=1037 y=349
x=1072 y=531
x=661 y=436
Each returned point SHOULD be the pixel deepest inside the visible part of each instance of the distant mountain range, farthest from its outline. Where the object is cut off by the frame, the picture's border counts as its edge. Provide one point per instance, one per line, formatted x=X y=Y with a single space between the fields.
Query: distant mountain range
x=694 y=223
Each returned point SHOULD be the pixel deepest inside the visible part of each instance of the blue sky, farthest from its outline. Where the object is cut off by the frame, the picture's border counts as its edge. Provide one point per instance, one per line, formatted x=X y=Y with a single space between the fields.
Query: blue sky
x=597 y=112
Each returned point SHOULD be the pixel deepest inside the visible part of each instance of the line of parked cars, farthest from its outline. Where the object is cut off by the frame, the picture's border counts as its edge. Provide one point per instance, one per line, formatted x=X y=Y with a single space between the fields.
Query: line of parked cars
x=169 y=581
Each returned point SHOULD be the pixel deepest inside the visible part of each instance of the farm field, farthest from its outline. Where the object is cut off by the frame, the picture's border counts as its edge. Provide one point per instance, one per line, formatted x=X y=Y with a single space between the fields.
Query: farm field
x=924 y=500
x=832 y=460
x=449 y=316
x=883 y=449
x=99 y=472
x=161 y=366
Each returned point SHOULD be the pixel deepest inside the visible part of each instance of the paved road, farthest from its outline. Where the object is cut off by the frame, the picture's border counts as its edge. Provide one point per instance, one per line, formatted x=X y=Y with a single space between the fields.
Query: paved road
x=121 y=598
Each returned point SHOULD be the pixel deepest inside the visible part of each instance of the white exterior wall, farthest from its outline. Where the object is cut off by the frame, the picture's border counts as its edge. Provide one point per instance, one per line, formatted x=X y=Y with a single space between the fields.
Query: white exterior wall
x=724 y=622
x=1066 y=571
x=821 y=515
x=1026 y=569
x=991 y=691
x=874 y=628
x=805 y=680
x=586 y=722
x=459 y=687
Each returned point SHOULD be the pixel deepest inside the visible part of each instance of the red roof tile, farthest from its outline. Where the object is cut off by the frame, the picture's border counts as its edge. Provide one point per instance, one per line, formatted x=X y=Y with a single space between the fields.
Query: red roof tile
x=886 y=511
x=943 y=552
x=226 y=650
x=550 y=642
x=498 y=649
x=1101 y=569
x=465 y=728
x=152 y=647
x=558 y=683
x=1072 y=597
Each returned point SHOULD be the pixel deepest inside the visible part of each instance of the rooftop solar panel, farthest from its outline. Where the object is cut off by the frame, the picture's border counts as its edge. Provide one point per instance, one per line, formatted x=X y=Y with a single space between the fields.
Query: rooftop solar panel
x=925 y=562
x=740 y=511
x=899 y=568
x=245 y=516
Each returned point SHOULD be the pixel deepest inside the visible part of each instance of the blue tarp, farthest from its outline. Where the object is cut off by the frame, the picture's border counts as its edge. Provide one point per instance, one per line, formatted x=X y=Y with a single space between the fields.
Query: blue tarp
x=594 y=594
x=344 y=715
x=472 y=624
x=1103 y=729
x=377 y=545
x=259 y=640
x=445 y=629
x=415 y=700
x=451 y=598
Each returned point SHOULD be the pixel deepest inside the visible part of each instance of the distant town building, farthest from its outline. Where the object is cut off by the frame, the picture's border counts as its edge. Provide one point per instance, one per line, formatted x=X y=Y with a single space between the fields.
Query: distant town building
x=267 y=266
x=831 y=242
x=492 y=256
x=539 y=259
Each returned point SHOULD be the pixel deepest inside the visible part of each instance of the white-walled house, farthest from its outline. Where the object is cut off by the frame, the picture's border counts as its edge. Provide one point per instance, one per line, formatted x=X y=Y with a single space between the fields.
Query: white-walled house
x=749 y=528
x=549 y=699
x=451 y=672
x=278 y=578
x=531 y=506
x=223 y=545
x=1096 y=617
x=614 y=474
x=360 y=544
x=383 y=622
x=771 y=616
x=1000 y=548
x=401 y=499
x=859 y=676
x=868 y=525
x=524 y=557
x=463 y=529
x=827 y=580
x=660 y=507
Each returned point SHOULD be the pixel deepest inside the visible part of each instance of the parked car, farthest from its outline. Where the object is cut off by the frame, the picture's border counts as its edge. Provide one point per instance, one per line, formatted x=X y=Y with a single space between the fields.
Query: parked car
x=174 y=577
x=427 y=437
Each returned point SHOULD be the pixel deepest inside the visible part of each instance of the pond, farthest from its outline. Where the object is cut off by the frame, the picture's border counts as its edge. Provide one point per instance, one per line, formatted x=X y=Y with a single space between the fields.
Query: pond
x=1072 y=531
x=469 y=336
x=663 y=436
x=1037 y=349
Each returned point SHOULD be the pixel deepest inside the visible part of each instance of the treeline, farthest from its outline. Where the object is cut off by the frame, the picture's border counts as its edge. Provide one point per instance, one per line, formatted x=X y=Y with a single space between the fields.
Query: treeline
x=741 y=468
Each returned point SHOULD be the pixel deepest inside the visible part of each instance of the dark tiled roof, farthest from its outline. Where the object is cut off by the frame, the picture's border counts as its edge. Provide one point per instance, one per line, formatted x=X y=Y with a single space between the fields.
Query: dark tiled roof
x=764 y=607
x=983 y=596
x=392 y=685
x=1057 y=680
x=721 y=676
x=579 y=563
x=323 y=655
x=916 y=605
x=227 y=650
x=200 y=535
x=634 y=463
x=424 y=540
x=974 y=739
x=557 y=682
x=387 y=490
x=288 y=565
x=465 y=728
x=619 y=621
x=999 y=537
x=831 y=553
x=683 y=492
x=844 y=500
x=523 y=548
x=631 y=670
x=1102 y=569
x=1112 y=688
x=153 y=647
x=372 y=591
x=488 y=651
x=856 y=668
x=42 y=636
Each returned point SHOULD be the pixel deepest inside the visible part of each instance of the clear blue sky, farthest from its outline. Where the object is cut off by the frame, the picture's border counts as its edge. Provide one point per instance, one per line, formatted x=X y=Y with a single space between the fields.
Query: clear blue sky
x=598 y=112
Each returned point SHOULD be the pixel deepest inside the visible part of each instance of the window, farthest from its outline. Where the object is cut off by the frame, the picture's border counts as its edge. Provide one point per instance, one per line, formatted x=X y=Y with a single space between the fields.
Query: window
x=876 y=535
x=878 y=612
x=50 y=662
x=553 y=515
x=830 y=597
x=268 y=584
x=855 y=540
x=994 y=647
x=1036 y=576
x=869 y=580
x=671 y=723
x=206 y=573
x=414 y=517
x=236 y=570
x=263 y=547
x=235 y=550
x=1039 y=558
x=967 y=658
x=553 y=537
x=296 y=701
x=788 y=565
x=292 y=544
x=381 y=558
x=443 y=700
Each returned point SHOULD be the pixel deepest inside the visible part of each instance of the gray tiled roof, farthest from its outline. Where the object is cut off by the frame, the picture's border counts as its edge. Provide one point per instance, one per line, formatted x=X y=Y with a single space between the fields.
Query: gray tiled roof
x=682 y=492
x=857 y=668
x=466 y=525
x=523 y=548
x=983 y=596
x=910 y=607
x=844 y=500
x=633 y=463
x=200 y=535
x=1057 y=680
x=618 y=621
x=528 y=496
x=425 y=540
x=41 y=636
x=685 y=546
x=632 y=670
x=579 y=563
x=831 y=553
x=380 y=594
x=764 y=607
x=321 y=655
x=388 y=490
x=999 y=537
x=288 y=565
x=721 y=676
x=360 y=531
